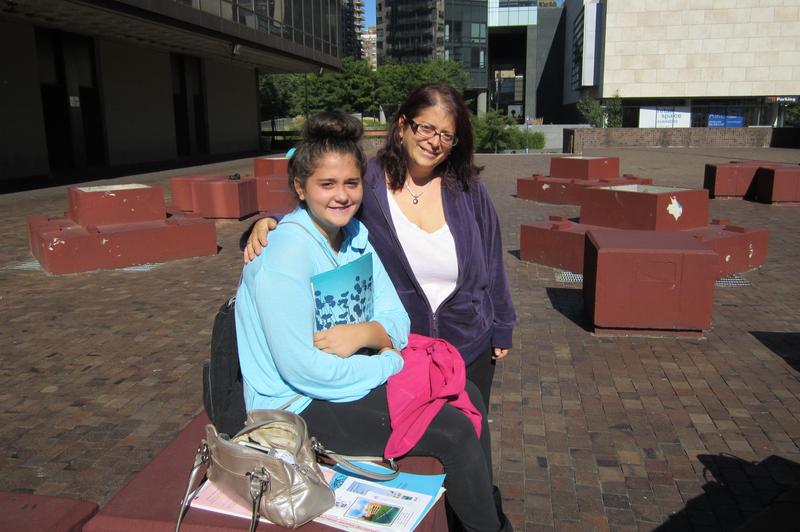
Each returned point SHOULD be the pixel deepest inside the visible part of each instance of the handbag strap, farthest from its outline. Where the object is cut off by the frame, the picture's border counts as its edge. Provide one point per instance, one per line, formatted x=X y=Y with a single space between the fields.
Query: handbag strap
x=346 y=461
x=258 y=485
x=200 y=458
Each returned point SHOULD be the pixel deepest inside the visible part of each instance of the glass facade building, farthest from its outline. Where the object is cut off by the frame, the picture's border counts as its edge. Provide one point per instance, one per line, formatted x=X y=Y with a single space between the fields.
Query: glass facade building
x=512 y=13
x=310 y=23
x=466 y=37
x=418 y=31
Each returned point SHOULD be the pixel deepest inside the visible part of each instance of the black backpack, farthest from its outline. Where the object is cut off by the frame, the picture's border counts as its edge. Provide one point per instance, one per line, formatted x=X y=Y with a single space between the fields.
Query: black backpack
x=223 y=390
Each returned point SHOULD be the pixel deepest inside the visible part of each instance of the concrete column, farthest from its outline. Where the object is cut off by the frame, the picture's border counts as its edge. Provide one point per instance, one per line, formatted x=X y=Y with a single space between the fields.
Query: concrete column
x=532 y=73
x=482 y=101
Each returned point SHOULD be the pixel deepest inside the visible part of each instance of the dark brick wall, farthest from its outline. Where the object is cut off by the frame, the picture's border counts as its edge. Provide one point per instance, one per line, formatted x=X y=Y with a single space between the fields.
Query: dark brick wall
x=576 y=140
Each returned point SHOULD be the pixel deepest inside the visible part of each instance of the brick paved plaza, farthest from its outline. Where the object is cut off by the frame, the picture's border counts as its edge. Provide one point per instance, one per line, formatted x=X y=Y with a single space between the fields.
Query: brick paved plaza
x=100 y=370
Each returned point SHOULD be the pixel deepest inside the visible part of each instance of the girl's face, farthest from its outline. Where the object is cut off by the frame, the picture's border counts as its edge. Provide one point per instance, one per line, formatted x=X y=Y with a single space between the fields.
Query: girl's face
x=425 y=154
x=333 y=193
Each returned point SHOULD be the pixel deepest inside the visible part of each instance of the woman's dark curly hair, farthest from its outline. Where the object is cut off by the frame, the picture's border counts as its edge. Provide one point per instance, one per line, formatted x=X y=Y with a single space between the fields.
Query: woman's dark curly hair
x=325 y=133
x=459 y=168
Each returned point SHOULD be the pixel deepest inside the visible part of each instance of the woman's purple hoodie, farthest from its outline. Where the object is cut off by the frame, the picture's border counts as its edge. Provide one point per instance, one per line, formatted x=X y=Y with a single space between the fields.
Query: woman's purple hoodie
x=479 y=313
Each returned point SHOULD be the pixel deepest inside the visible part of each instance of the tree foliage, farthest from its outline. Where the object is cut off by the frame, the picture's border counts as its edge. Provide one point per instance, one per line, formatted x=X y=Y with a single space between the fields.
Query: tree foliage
x=493 y=132
x=597 y=115
x=592 y=111
x=792 y=116
x=614 y=111
x=522 y=139
x=356 y=89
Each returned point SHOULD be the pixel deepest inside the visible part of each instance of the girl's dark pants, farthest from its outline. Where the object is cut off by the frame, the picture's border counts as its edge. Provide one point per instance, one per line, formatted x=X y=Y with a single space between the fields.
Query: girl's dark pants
x=362 y=427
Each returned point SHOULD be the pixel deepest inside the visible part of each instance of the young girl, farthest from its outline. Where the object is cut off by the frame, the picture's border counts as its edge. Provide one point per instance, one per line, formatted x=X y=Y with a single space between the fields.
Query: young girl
x=342 y=394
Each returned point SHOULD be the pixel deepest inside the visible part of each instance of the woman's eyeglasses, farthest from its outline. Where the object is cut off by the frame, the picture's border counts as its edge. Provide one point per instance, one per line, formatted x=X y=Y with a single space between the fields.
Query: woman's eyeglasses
x=426 y=131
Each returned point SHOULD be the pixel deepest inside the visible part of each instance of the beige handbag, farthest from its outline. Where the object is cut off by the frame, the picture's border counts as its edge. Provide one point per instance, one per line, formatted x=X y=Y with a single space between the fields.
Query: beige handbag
x=271 y=466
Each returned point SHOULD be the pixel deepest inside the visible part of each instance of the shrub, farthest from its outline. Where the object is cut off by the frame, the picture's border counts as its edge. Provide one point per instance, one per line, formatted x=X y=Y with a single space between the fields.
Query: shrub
x=522 y=138
x=492 y=132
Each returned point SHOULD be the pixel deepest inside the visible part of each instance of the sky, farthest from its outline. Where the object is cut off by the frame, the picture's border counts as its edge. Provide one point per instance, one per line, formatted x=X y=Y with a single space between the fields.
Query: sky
x=369 y=12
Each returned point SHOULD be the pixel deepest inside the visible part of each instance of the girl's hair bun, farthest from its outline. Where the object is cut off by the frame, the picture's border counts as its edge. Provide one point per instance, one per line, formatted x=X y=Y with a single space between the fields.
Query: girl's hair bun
x=332 y=127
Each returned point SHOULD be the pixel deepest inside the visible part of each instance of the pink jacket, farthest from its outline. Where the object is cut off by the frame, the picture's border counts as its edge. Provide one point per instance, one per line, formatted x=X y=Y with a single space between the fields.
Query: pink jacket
x=433 y=374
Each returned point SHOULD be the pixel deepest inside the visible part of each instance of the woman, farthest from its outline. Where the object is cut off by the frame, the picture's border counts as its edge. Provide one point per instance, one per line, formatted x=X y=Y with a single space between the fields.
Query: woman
x=435 y=228
x=342 y=394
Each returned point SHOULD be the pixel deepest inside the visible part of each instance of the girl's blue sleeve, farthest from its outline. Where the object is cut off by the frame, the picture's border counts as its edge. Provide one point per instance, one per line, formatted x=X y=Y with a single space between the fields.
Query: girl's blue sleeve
x=287 y=318
x=388 y=309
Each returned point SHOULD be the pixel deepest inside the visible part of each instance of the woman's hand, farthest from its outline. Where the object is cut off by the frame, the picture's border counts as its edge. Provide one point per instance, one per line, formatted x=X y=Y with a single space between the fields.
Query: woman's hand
x=258 y=238
x=499 y=353
x=344 y=340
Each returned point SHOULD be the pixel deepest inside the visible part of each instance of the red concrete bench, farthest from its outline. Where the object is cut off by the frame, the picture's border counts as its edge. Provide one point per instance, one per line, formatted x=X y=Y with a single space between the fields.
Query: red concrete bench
x=648 y=282
x=22 y=511
x=150 y=500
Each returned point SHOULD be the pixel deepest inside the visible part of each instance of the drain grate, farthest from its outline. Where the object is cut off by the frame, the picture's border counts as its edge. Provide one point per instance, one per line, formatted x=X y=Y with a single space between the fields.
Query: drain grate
x=725 y=282
x=29 y=265
x=733 y=280
x=569 y=277
x=141 y=268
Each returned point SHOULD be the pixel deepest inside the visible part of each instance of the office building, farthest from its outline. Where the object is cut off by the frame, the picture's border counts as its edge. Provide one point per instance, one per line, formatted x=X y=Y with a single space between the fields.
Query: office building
x=416 y=31
x=91 y=86
x=685 y=64
x=369 y=43
x=352 y=28
x=526 y=47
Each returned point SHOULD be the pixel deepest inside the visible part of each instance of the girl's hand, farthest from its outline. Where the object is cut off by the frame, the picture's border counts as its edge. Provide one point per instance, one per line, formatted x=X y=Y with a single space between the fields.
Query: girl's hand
x=340 y=340
x=258 y=238
x=499 y=353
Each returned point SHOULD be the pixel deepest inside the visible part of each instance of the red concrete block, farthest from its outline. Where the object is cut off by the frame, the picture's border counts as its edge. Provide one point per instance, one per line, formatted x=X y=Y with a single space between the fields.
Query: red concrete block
x=738 y=248
x=645 y=207
x=181 y=188
x=648 y=281
x=150 y=500
x=558 y=243
x=62 y=246
x=561 y=191
x=271 y=167
x=554 y=190
x=116 y=204
x=580 y=167
x=734 y=179
x=777 y=185
x=224 y=197
x=274 y=195
x=22 y=511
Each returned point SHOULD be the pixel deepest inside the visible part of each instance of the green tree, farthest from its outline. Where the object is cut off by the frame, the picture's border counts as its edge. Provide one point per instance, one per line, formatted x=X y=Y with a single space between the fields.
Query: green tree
x=394 y=83
x=441 y=71
x=614 y=111
x=792 y=116
x=356 y=89
x=281 y=95
x=592 y=111
x=493 y=132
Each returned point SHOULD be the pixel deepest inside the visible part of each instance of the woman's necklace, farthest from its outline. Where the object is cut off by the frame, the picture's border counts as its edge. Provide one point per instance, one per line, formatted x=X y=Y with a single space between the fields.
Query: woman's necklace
x=415 y=197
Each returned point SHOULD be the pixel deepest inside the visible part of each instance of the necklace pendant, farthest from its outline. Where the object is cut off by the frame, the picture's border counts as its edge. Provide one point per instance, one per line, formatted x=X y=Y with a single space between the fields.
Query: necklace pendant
x=415 y=201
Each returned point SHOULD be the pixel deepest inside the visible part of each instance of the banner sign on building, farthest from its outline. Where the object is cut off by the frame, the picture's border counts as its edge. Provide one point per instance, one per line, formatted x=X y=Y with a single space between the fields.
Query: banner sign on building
x=725 y=120
x=665 y=117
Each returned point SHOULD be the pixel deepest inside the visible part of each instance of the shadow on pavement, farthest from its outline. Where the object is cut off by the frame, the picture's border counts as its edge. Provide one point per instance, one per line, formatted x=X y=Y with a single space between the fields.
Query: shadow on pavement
x=742 y=496
x=784 y=344
x=569 y=302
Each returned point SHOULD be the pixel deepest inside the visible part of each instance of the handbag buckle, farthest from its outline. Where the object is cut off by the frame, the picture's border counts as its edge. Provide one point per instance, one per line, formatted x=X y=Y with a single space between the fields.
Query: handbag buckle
x=317 y=446
x=259 y=483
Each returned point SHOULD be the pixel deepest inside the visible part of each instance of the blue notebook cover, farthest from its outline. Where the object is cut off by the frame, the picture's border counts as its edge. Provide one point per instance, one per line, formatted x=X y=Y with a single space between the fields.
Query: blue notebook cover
x=344 y=294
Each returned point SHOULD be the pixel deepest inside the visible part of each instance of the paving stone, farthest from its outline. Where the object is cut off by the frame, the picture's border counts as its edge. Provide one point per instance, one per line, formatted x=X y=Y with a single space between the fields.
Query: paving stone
x=101 y=369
